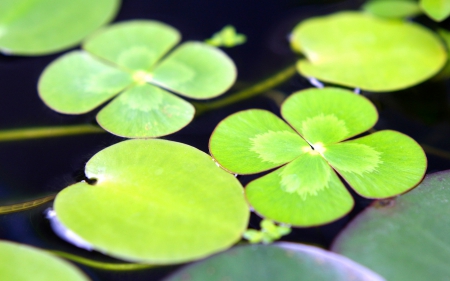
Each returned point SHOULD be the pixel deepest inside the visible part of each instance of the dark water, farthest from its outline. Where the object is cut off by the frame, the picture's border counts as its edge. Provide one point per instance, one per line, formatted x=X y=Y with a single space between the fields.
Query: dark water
x=35 y=168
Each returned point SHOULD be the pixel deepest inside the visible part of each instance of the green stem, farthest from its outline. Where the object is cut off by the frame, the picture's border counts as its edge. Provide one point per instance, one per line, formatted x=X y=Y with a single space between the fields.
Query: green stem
x=260 y=87
x=25 y=205
x=46 y=132
x=102 y=265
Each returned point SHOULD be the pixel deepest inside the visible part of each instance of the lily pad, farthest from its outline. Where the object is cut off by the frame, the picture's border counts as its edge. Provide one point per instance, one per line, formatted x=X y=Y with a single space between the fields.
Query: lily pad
x=305 y=190
x=404 y=238
x=438 y=10
x=130 y=59
x=155 y=201
x=361 y=51
x=392 y=8
x=29 y=27
x=23 y=263
x=283 y=261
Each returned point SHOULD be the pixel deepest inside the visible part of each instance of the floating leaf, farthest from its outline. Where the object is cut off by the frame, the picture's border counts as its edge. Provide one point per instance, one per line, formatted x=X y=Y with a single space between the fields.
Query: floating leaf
x=23 y=263
x=438 y=10
x=155 y=201
x=29 y=27
x=404 y=238
x=227 y=37
x=283 y=261
x=306 y=191
x=392 y=8
x=362 y=51
x=123 y=58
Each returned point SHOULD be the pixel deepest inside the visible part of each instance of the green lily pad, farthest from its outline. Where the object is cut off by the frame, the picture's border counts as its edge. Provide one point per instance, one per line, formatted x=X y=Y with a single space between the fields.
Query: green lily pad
x=77 y=83
x=29 y=27
x=329 y=115
x=24 y=263
x=253 y=133
x=359 y=50
x=392 y=8
x=123 y=58
x=283 y=261
x=306 y=191
x=438 y=10
x=404 y=238
x=155 y=201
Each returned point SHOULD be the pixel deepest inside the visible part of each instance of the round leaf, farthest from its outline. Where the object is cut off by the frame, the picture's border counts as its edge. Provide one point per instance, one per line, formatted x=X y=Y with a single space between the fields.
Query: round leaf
x=253 y=141
x=155 y=201
x=438 y=10
x=23 y=263
x=328 y=115
x=29 y=27
x=284 y=261
x=406 y=238
x=358 y=50
x=145 y=111
x=305 y=192
x=76 y=83
x=134 y=45
x=392 y=8
x=380 y=165
x=195 y=70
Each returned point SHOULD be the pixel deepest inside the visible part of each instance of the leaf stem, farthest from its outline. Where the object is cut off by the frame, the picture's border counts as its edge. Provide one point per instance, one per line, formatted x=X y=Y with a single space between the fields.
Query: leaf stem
x=46 y=132
x=254 y=90
x=25 y=205
x=102 y=265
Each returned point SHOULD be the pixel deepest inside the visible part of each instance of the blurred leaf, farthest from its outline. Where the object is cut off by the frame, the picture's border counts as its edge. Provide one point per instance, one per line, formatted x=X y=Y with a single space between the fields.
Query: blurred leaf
x=392 y=8
x=149 y=206
x=29 y=27
x=282 y=261
x=23 y=263
x=362 y=51
x=404 y=238
x=227 y=37
x=438 y=10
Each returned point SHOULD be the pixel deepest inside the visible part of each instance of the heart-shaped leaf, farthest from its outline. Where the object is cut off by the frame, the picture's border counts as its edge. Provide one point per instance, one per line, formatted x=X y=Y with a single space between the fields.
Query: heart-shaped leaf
x=283 y=261
x=155 y=201
x=23 y=263
x=404 y=238
x=29 y=27
x=438 y=10
x=362 y=51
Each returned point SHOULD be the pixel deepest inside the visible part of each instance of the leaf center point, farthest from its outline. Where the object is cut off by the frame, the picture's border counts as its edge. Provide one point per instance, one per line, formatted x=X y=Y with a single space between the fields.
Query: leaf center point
x=142 y=77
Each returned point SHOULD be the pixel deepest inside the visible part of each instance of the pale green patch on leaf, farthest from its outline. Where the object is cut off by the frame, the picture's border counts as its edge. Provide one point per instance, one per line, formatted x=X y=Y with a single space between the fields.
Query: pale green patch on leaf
x=328 y=115
x=438 y=10
x=133 y=45
x=280 y=261
x=330 y=128
x=148 y=205
x=400 y=165
x=32 y=28
x=76 y=83
x=127 y=56
x=227 y=37
x=404 y=238
x=269 y=232
x=244 y=142
x=196 y=70
x=23 y=263
x=307 y=175
x=329 y=203
x=359 y=50
x=145 y=111
x=283 y=139
x=353 y=157
x=395 y=9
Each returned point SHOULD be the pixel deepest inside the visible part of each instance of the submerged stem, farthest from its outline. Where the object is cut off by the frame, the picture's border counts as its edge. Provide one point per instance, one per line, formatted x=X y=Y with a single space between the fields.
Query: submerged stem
x=254 y=90
x=25 y=205
x=102 y=265
x=46 y=132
